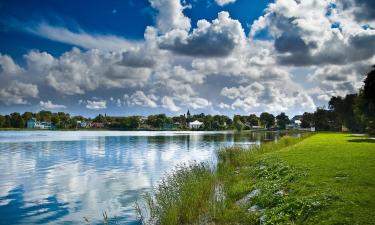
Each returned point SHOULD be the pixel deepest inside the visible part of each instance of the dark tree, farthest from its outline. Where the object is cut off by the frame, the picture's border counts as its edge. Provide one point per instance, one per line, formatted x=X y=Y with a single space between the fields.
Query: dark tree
x=325 y=120
x=267 y=119
x=2 y=120
x=307 y=120
x=282 y=121
x=27 y=115
x=365 y=107
x=369 y=87
x=16 y=120
x=253 y=120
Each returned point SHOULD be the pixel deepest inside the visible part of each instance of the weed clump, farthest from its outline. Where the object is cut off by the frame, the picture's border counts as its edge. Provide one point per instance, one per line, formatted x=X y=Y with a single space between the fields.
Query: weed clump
x=183 y=197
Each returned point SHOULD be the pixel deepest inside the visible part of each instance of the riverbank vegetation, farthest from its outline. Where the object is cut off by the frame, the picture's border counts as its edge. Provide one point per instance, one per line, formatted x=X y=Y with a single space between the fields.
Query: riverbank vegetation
x=327 y=178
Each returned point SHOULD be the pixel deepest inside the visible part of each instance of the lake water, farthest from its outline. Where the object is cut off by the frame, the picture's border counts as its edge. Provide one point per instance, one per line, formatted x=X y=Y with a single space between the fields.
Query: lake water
x=59 y=177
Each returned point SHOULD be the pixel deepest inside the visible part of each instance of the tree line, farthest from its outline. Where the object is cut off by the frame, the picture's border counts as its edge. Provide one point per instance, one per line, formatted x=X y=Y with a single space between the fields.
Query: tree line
x=62 y=120
x=355 y=112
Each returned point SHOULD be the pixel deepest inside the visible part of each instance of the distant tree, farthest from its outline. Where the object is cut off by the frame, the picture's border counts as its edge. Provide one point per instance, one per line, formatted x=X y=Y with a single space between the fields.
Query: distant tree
x=307 y=120
x=55 y=119
x=365 y=104
x=282 y=120
x=44 y=116
x=253 y=120
x=157 y=121
x=324 y=120
x=369 y=88
x=99 y=119
x=27 y=115
x=2 y=121
x=7 y=123
x=237 y=123
x=16 y=120
x=337 y=105
x=267 y=119
x=181 y=120
x=134 y=122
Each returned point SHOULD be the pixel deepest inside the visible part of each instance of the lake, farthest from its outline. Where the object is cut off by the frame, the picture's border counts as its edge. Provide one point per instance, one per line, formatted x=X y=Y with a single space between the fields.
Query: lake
x=59 y=177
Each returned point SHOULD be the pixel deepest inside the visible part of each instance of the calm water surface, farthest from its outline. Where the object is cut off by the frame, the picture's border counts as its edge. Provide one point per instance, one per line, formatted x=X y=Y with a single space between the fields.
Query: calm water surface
x=59 y=177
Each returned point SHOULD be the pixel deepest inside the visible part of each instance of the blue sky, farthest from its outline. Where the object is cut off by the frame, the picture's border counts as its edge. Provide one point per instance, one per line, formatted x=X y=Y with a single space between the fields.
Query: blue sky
x=127 y=19
x=165 y=56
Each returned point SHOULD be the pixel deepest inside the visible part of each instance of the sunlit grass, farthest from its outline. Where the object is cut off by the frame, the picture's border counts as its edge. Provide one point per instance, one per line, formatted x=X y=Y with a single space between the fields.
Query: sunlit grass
x=324 y=179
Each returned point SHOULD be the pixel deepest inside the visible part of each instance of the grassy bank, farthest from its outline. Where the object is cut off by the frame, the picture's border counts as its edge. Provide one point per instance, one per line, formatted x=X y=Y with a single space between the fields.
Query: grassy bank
x=322 y=179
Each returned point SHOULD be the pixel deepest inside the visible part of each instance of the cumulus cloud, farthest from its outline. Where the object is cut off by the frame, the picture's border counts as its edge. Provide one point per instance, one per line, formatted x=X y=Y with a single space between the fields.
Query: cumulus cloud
x=48 y=105
x=17 y=93
x=313 y=33
x=169 y=103
x=216 y=39
x=224 y=2
x=139 y=98
x=96 y=104
x=268 y=96
x=364 y=10
x=8 y=66
x=137 y=59
x=214 y=66
x=76 y=72
x=170 y=15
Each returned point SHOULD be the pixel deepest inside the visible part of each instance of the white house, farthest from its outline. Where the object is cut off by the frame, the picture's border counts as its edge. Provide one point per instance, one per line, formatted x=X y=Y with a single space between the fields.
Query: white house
x=82 y=124
x=298 y=123
x=195 y=125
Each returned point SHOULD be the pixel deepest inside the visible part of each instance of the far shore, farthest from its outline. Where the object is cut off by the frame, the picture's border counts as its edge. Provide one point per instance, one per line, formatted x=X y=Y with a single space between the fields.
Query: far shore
x=104 y=129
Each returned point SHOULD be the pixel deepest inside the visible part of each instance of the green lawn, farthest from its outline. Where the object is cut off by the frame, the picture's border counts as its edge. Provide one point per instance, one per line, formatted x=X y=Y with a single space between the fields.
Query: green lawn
x=340 y=164
x=326 y=178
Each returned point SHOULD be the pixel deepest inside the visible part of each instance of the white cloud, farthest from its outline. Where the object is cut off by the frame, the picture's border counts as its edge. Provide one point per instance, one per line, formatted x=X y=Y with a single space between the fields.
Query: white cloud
x=170 y=15
x=224 y=2
x=305 y=33
x=8 y=66
x=139 y=98
x=216 y=39
x=223 y=105
x=169 y=103
x=198 y=103
x=17 y=92
x=76 y=72
x=96 y=104
x=211 y=66
x=48 y=105
x=81 y=38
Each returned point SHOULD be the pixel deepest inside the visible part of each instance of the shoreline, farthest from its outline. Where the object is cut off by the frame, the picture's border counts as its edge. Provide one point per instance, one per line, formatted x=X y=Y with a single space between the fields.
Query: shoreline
x=306 y=180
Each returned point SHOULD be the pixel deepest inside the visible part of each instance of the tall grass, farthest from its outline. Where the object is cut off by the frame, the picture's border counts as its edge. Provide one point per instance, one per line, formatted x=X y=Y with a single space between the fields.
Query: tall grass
x=186 y=196
x=195 y=194
x=238 y=156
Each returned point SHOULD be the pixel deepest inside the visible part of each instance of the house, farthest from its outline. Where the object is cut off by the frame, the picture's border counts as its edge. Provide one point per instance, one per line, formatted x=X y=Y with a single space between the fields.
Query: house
x=31 y=123
x=35 y=124
x=295 y=124
x=298 y=123
x=97 y=125
x=195 y=125
x=257 y=128
x=82 y=124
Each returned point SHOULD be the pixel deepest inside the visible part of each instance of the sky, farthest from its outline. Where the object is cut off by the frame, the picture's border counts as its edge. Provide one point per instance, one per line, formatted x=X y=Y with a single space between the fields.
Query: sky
x=141 y=57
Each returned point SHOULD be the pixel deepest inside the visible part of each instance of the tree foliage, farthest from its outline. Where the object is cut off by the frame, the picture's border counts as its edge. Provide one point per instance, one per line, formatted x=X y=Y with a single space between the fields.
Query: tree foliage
x=282 y=120
x=267 y=119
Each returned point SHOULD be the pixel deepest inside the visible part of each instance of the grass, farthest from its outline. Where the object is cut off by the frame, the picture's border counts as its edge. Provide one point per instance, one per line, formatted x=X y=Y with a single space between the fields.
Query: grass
x=327 y=178
x=340 y=164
